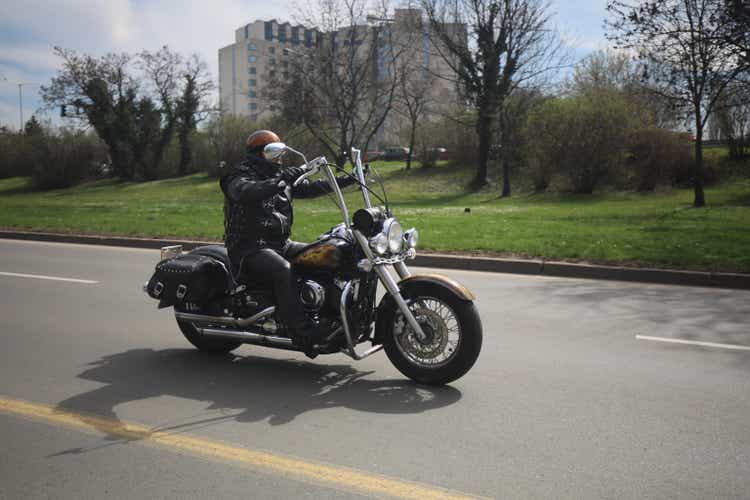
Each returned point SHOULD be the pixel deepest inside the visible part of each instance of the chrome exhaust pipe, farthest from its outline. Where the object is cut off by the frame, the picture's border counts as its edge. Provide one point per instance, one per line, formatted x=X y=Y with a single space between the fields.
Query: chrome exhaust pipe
x=247 y=337
x=225 y=320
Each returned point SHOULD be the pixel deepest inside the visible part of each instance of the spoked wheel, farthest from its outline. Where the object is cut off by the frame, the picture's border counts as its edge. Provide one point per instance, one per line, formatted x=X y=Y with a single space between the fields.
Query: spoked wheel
x=451 y=343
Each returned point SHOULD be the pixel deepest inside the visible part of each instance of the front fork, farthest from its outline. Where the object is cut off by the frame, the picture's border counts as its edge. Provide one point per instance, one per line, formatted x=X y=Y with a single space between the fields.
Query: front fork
x=390 y=284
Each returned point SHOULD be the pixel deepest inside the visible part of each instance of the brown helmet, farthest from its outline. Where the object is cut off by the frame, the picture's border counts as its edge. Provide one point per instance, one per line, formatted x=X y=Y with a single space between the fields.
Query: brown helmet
x=259 y=139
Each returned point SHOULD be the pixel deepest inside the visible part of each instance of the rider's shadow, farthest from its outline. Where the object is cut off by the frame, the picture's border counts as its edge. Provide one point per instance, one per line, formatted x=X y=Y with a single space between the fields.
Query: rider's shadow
x=245 y=389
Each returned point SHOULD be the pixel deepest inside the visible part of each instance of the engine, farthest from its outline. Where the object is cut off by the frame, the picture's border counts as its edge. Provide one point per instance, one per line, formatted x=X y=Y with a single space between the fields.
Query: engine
x=312 y=295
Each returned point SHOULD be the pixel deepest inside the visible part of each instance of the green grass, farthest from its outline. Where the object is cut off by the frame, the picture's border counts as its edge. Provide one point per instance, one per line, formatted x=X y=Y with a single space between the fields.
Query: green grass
x=647 y=229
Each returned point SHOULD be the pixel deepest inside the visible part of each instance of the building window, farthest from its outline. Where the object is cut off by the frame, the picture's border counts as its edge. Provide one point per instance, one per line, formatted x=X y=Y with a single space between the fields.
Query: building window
x=308 y=38
x=271 y=73
x=251 y=70
x=252 y=82
x=253 y=106
x=246 y=26
x=295 y=35
x=252 y=58
x=285 y=75
x=282 y=34
x=268 y=25
x=271 y=50
x=252 y=47
x=271 y=60
x=252 y=93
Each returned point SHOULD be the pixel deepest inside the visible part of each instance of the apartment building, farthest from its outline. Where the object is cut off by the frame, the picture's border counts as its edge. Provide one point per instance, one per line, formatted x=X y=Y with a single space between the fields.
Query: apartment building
x=262 y=50
x=259 y=53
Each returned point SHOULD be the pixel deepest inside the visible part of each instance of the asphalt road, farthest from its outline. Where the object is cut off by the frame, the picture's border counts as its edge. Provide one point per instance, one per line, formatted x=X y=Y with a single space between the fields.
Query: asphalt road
x=564 y=402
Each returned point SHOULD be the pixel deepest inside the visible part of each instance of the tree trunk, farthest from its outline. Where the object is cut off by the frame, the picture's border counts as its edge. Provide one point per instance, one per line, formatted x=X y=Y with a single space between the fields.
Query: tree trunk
x=186 y=155
x=506 y=177
x=699 y=200
x=412 y=139
x=506 y=152
x=484 y=131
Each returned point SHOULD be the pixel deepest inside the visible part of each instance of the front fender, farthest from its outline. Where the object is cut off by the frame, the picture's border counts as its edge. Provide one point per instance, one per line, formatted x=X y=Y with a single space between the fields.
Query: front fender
x=456 y=288
x=414 y=286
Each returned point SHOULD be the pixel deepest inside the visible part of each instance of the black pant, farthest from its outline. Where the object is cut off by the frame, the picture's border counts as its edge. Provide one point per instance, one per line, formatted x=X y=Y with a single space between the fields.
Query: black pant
x=267 y=265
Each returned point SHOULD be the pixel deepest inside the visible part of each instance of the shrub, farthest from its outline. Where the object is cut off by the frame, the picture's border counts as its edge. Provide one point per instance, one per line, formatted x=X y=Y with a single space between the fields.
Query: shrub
x=63 y=158
x=581 y=138
x=658 y=156
x=227 y=135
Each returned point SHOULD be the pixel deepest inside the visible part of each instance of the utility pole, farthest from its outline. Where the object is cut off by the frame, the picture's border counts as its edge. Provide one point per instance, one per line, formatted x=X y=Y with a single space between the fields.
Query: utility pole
x=20 y=106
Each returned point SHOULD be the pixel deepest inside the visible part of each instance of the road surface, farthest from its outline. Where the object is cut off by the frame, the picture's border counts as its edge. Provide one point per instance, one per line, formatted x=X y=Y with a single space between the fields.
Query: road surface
x=577 y=394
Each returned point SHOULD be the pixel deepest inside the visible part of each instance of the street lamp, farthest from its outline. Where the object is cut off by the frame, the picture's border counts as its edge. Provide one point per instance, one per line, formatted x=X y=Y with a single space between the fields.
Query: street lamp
x=20 y=100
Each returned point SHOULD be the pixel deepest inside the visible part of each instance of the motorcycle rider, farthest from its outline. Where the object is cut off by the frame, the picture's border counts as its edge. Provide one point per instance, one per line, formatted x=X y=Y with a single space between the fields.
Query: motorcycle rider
x=258 y=218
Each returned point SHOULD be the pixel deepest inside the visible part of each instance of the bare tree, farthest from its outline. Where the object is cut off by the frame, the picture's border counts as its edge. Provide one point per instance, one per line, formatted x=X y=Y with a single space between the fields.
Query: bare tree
x=192 y=106
x=415 y=80
x=343 y=88
x=731 y=119
x=492 y=46
x=162 y=70
x=683 y=43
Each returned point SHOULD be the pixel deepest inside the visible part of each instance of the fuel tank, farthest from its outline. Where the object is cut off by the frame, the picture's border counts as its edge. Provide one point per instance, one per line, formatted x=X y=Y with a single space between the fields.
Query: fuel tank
x=330 y=254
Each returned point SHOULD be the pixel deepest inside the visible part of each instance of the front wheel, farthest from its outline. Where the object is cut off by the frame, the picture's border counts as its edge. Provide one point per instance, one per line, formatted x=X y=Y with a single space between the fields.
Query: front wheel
x=453 y=336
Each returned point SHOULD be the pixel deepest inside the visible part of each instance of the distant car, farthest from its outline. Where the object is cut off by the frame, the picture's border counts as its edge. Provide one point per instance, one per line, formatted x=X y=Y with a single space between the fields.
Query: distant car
x=373 y=155
x=395 y=154
x=438 y=153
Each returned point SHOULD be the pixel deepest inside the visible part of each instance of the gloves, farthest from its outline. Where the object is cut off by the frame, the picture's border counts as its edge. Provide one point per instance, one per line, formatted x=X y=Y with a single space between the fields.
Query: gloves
x=291 y=174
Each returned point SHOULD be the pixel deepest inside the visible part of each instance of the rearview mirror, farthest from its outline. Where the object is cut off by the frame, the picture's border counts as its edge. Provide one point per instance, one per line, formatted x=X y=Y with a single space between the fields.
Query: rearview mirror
x=274 y=150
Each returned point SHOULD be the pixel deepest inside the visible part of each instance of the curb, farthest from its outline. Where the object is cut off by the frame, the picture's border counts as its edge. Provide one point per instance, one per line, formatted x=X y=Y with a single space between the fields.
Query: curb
x=463 y=262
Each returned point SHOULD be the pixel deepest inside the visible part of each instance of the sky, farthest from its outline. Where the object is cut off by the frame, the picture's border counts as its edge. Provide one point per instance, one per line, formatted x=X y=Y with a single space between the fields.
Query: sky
x=29 y=30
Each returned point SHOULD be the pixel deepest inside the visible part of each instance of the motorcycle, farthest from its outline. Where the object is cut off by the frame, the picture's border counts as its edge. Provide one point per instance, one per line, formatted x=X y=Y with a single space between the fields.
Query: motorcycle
x=428 y=325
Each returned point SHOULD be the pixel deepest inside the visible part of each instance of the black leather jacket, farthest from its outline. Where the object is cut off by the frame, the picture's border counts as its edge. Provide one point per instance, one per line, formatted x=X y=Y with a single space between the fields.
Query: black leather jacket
x=257 y=212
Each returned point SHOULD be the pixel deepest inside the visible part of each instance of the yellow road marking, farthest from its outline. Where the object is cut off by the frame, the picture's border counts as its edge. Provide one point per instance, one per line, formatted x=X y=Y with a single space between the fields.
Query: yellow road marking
x=328 y=475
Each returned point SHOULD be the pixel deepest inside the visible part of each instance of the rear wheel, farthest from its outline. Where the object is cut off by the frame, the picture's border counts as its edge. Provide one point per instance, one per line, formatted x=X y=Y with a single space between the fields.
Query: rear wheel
x=453 y=336
x=204 y=343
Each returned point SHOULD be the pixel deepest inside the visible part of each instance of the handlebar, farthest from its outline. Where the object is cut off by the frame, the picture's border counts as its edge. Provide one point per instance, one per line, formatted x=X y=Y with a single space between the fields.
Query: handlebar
x=310 y=168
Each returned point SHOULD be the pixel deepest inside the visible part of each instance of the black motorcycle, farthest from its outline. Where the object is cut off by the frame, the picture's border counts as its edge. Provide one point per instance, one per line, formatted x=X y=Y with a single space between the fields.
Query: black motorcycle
x=427 y=324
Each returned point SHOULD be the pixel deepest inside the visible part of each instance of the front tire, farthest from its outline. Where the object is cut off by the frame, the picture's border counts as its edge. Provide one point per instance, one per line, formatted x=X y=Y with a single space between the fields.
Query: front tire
x=206 y=344
x=453 y=335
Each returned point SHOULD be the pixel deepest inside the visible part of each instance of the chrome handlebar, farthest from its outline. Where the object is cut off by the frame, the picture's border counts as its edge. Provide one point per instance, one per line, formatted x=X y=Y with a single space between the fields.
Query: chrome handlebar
x=311 y=168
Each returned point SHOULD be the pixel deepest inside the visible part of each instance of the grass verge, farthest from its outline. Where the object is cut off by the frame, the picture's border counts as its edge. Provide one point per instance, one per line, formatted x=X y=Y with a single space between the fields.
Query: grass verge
x=657 y=229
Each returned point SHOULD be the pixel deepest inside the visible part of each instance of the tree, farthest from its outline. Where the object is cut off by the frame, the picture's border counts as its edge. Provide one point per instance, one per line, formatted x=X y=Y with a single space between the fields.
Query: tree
x=493 y=46
x=683 y=44
x=105 y=92
x=33 y=127
x=191 y=108
x=413 y=98
x=162 y=70
x=343 y=88
x=513 y=116
x=731 y=120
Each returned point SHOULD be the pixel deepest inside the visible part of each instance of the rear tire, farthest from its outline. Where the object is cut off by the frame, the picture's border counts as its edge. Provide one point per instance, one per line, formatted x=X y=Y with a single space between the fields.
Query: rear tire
x=422 y=362
x=204 y=343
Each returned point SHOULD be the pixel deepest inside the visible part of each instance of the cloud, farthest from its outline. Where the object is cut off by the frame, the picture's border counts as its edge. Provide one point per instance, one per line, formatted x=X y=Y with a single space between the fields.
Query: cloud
x=32 y=58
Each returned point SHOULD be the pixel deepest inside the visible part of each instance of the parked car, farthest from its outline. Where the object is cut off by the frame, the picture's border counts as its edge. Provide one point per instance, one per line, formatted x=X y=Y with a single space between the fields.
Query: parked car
x=373 y=155
x=395 y=154
x=438 y=153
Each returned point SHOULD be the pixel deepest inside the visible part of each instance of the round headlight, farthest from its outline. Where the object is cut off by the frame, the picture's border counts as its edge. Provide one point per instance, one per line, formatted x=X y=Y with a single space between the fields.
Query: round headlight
x=379 y=243
x=395 y=236
x=411 y=237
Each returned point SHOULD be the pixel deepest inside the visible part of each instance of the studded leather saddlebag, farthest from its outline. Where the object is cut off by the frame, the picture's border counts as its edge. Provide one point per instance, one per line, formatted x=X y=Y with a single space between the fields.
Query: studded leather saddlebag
x=188 y=278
